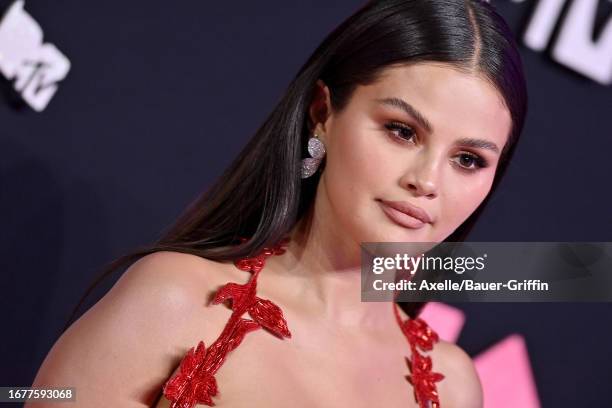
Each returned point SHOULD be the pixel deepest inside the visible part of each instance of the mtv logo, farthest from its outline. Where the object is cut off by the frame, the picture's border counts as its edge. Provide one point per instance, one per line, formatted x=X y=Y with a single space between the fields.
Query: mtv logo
x=35 y=67
x=574 y=46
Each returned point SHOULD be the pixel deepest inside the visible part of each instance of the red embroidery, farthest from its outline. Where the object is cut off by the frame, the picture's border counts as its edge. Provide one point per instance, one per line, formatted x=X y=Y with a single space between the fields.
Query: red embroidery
x=422 y=378
x=195 y=383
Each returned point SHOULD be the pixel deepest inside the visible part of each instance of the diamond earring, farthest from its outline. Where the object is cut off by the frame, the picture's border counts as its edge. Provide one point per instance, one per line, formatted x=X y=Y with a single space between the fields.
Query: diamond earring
x=316 y=148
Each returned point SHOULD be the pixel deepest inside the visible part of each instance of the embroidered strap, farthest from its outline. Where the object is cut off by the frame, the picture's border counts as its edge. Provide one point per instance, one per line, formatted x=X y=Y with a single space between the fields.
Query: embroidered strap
x=195 y=383
x=422 y=378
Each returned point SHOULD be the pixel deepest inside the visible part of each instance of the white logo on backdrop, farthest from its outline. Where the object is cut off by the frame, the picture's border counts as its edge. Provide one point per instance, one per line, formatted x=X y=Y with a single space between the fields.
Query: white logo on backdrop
x=35 y=66
x=574 y=46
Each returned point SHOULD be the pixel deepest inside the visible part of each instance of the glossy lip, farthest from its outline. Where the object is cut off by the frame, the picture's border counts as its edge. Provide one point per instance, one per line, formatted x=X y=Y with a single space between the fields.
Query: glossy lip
x=406 y=214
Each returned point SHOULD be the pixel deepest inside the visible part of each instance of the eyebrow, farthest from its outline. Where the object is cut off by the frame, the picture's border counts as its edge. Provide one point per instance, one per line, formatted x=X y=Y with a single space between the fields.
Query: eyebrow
x=409 y=109
x=478 y=143
x=401 y=104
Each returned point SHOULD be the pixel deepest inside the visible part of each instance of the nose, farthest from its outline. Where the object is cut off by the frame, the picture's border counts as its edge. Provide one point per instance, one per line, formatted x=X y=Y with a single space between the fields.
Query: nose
x=421 y=178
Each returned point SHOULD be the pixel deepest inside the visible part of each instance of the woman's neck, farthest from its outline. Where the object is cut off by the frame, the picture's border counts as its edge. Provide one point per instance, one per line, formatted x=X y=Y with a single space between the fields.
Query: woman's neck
x=321 y=272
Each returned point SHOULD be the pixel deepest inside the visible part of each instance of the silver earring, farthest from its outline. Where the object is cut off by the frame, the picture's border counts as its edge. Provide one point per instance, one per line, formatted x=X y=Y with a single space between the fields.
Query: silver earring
x=316 y=148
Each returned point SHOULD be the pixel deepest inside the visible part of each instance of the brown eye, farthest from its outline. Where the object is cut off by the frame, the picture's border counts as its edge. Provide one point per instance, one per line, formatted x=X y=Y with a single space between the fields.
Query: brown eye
x=466 y=161
x=401 y=131
x=471 y=162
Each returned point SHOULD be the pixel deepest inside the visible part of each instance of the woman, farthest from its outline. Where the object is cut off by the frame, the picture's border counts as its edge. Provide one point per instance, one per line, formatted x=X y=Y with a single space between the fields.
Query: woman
x=415 y=107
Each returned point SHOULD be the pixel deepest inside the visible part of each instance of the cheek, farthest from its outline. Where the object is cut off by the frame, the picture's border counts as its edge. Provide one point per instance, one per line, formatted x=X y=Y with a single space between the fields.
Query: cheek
x=354 y=165
x=464 y=197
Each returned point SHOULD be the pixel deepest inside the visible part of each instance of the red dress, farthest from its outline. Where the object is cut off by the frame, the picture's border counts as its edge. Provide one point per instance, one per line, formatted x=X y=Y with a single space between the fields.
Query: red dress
x=196 y=384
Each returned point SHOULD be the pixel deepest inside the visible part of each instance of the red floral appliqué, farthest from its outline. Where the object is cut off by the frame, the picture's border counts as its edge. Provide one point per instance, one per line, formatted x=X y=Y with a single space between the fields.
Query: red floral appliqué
x=195 y=383
x=422 y=378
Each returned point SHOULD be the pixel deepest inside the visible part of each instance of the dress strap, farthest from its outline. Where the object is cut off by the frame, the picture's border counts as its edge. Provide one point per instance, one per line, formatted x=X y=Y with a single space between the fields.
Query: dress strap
x=195 y=383
x=422 y=378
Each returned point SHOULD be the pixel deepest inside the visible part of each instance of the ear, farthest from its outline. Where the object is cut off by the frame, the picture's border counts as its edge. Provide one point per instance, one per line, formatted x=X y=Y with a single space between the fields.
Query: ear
x=320 y=111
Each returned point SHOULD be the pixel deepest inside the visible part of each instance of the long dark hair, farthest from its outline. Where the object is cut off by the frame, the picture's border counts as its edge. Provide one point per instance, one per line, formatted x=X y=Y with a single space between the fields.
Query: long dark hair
x=261 y=194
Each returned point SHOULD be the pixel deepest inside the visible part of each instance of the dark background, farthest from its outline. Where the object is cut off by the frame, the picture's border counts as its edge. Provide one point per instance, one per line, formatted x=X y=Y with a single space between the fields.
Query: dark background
x=162 y=95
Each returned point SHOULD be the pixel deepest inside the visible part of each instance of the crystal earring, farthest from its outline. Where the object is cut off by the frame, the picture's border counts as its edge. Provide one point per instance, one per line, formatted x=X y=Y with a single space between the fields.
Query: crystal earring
x=316 y=148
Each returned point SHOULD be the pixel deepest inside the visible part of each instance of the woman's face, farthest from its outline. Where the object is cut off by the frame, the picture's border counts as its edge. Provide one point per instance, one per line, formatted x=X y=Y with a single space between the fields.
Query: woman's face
x=425 y=135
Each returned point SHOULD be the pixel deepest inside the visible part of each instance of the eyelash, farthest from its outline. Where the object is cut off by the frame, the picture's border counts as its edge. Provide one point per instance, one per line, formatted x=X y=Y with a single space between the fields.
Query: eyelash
x=393 y=127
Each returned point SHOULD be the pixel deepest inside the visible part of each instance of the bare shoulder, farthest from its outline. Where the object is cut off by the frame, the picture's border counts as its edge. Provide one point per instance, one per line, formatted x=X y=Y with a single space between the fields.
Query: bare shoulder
x=180 y=276
x=121 y=351
x=170 y=286
x=461 y=385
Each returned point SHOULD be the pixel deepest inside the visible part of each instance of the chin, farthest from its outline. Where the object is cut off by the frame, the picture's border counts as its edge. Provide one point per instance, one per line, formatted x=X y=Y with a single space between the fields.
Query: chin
x=398 y=235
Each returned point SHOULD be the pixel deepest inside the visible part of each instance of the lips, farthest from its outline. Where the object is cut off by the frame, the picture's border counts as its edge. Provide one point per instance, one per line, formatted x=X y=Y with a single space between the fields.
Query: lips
x=406 y=214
